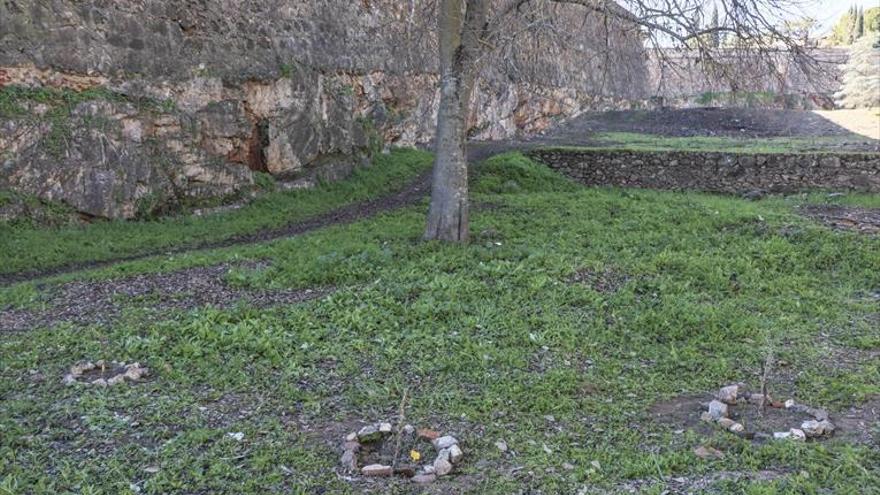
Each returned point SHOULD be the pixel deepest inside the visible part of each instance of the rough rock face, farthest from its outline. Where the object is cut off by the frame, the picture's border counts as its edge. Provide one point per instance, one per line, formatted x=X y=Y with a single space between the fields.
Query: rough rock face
x=717 y=172
x=120 y=108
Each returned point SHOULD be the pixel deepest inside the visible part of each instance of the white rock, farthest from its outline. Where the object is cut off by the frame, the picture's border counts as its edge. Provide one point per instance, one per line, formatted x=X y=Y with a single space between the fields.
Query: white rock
x=377 y=470
x=444 y=442
x=781 y=435
x=385 y=428
x=351 y=437
x=728 y=394
x=455 y=454
x=726 y=423
x=707 y=417
x=237 y=436
x=501 y=445
x=797 y=434
x=409 y=429
x=736 y=428
x=567 y=466
x=717 y=409
x=789 y=403
x=813 y=428
x=442 y=467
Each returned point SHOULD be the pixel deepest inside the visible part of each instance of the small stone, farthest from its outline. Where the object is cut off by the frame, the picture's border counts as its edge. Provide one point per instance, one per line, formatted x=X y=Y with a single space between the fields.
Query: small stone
x=100 y=382
x=69 y=379
x=728 y=394
x=352 y=446
x=444 y=442
x=789 y=403
x=455 y=454
x=409 y=429
x=428 y=434
x=726 y=423
x=443 y=454
x=813 y=428
x=135 y=372
x=377 y=470
x=237 y=436
x=567 y=466
x=79 y=369
x=351 y=437
x=368 y=434
x=781 y=435
x=442 y=467
x=797 y=434
x=429 y=469
x=501 y=445
x=424 y=478
x=707 y=417
x=349 y=460
x=717 y=409
x=736 y=428
x=385 y=428
x=596 y=465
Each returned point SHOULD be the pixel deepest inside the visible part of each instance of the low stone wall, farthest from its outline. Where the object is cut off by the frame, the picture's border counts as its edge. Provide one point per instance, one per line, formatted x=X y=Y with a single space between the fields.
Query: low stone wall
x=716 y=171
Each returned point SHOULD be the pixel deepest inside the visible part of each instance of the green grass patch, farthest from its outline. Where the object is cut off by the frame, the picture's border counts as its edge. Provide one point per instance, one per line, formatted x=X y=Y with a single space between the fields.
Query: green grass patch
x=26 y=248
x=651 y=142
x=488 y=341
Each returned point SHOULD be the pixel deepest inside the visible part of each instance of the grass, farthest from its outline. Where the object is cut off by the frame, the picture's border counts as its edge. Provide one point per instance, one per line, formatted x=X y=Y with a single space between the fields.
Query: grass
x=488 y=340
x=28 y=248
x=650 y=142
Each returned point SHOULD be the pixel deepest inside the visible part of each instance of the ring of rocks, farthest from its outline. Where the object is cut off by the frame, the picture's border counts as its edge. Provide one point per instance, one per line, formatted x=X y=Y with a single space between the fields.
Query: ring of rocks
x=372 y=438
x=104 y=374
x=718 y=412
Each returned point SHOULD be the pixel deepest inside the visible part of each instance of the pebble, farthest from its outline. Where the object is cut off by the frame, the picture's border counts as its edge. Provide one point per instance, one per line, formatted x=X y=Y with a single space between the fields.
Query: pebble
x=444 y=442
x=349 y=460
x=442 y=467
x=789 y=403
x=409 y=429
x=707 y=417
x=717 y=409
x=424 y=478
x=813 y=428
x=728 y=394
x=368 y=434
x=351 y=437
x=797 y=434
x=455 y=454
x=567 y=466
x=501 y=445
x=237 y=436
x=757 y=399
x=385 y=428
x=736 y=428
x=726 y=423
x=377 y=470
x=819 y=414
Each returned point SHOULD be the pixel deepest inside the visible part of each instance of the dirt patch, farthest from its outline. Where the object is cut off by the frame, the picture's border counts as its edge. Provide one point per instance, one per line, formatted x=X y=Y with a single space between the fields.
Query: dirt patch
x=862 y=220
x=101 y=302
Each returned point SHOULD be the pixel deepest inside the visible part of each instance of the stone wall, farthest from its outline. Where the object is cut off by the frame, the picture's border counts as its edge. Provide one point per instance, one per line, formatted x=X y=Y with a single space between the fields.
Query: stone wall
x=716 y=171
x=121 y=107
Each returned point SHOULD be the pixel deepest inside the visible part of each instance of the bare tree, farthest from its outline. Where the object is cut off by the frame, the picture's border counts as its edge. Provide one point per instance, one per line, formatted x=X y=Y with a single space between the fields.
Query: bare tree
x=470 y=30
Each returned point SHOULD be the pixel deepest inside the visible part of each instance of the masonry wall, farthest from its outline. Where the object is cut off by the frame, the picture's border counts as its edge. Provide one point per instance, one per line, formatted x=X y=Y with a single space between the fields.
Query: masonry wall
x=716 y=171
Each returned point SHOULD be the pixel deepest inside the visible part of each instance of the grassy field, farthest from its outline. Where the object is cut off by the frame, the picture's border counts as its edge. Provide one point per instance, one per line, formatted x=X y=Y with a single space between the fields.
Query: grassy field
x=562 y=329
x=651 y=142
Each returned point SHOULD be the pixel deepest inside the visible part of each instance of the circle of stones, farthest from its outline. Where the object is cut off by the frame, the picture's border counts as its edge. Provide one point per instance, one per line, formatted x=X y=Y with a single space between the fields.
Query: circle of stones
x=731 y=395
x=448 y=453
x=132 y=372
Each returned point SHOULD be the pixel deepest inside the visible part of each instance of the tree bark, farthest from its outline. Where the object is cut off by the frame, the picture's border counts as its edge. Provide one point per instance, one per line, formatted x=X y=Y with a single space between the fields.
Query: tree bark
x=460 y=32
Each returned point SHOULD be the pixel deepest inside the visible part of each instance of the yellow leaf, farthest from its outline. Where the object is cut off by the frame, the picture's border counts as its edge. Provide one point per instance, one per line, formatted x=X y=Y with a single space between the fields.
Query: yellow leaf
x=415 y=455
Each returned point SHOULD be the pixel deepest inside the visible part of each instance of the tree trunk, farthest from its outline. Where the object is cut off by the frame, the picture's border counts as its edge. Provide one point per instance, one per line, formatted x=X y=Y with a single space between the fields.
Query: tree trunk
x=448 y=215
x=459 y=40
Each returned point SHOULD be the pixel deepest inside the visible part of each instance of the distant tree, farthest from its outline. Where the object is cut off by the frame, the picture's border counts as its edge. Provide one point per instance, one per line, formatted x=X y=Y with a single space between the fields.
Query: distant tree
x=714 y=24
x=860 y=23
x=861 y=79
x=844 y=32
x=872 y=20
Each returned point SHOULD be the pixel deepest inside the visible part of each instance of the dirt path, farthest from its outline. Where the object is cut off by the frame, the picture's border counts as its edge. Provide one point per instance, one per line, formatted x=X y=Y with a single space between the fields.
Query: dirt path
x=409 y=195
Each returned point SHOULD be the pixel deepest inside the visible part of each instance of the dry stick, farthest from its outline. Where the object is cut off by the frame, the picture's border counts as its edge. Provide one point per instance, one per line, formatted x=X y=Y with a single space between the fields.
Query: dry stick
x=401 y=416
x=766 y=366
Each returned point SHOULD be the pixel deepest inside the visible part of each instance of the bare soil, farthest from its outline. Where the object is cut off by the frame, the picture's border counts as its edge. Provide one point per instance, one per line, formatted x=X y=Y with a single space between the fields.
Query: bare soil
x=862 y=220
x=88 y=303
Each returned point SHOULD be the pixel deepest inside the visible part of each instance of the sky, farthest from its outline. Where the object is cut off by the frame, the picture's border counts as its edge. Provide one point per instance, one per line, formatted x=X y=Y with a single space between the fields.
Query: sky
x=828 y=11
